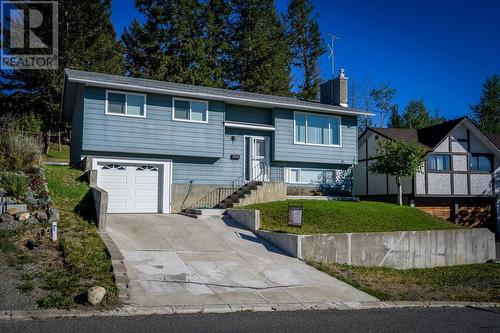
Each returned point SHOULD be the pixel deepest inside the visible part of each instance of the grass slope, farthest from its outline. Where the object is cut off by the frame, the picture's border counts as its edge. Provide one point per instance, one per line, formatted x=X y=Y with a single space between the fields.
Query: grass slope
x=57 y=156
x=472 y=283
x=347 y=216
x=86 y=261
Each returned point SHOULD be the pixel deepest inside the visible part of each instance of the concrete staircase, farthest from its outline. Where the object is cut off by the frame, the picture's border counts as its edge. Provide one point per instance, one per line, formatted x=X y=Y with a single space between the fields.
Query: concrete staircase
x=198 y=213
x=241 y=194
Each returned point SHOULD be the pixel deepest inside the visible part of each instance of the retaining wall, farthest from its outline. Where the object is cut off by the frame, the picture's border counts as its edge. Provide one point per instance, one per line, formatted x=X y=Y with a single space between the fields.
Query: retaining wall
x=399 y=249
x=100 y=201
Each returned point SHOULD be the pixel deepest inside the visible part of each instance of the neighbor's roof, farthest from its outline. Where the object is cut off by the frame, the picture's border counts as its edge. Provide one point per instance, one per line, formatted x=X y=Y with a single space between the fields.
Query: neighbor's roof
x=495 y=138
x=430 y=137
x=72 y=78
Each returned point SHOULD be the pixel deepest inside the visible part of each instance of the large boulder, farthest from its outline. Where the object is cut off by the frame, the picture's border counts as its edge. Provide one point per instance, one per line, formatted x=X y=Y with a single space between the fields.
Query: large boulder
x=21 y=217
x=6 y=217
x=12 y=211
x=95 y=295
x=42 y=216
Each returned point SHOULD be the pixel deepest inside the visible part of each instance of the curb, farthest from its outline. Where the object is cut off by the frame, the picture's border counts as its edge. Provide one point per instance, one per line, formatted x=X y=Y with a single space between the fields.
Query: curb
x=119 y=269
x=130 y=310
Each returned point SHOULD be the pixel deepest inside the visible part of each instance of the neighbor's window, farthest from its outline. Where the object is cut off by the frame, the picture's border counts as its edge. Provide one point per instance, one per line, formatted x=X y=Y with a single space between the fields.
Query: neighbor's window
x=190 y=110
x=480 y=162
x=310 y=176
x=317 y=129
x=125 y=104
x=439 y=162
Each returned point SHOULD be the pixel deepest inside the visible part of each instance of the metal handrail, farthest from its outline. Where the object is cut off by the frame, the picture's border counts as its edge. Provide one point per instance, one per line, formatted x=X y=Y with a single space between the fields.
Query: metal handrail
x=260 y=172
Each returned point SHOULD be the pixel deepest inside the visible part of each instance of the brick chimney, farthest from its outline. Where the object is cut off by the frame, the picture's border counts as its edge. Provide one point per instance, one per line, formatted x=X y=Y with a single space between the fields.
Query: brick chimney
x=335 y=91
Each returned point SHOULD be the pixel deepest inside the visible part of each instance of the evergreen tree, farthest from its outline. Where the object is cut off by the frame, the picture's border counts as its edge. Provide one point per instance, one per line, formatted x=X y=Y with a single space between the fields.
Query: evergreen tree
x=216 y=33
x=86 y=41
x=306 y=44
x=487 y=112
x=395 y=119
x=417 y=116
x=183 y=41
x=261 y=57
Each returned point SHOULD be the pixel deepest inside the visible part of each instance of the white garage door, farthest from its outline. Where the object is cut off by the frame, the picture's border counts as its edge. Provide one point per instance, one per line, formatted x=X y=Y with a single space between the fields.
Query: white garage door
x=131 y=188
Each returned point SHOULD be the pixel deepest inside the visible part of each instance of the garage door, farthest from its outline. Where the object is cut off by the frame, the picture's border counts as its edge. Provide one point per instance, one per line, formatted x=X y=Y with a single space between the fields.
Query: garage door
x=131 y=188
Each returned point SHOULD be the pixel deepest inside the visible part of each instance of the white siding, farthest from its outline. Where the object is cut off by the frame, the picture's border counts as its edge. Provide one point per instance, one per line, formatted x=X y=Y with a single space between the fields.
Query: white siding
x=443 y=147
x=480 y=184
x=460 y=183
x=459 y=163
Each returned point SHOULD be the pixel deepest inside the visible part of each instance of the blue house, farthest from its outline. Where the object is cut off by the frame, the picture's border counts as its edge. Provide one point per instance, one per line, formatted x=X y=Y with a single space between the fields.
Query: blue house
x=160 y=146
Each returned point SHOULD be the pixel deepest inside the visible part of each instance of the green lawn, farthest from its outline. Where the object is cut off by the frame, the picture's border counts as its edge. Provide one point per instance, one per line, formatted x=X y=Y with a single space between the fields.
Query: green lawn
x=347 y=216
x=473 y=283
x=57 y=156
x=86 y=261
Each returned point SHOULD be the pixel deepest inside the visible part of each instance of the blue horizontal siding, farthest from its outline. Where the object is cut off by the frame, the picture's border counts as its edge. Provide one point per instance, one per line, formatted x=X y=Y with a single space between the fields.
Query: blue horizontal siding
x=285 y=150
x=156 y=134
x=249 y=114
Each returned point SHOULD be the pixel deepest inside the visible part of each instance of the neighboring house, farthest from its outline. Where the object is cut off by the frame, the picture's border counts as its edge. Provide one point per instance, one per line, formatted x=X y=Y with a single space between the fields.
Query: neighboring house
x=459 y=181
x=160 y=146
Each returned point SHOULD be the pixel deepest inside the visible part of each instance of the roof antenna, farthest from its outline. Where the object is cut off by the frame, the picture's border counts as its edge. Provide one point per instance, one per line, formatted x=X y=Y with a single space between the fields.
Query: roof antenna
x=331 y=56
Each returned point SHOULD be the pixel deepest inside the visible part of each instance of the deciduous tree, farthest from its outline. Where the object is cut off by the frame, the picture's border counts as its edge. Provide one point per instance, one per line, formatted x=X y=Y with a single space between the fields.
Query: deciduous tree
x=487 y=112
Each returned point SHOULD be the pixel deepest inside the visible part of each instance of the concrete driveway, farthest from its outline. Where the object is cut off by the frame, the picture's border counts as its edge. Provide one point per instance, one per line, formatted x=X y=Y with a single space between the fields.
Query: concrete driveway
x=176 y=260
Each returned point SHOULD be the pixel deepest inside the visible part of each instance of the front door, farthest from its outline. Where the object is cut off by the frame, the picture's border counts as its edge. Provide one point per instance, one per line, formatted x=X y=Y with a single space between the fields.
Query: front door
x=256 y=157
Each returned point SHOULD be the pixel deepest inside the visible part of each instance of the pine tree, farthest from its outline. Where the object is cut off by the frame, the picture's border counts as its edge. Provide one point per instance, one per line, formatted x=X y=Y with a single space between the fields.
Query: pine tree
x=417 y=116
x=487 y=112
x=307 y=46
x=86 y=41
x=261 y=58
x=184 y=41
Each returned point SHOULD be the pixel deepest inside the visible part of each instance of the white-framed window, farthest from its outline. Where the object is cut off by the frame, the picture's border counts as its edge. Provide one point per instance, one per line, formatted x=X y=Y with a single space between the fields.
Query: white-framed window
x=309 y=176
x=190 y=110
x=126 y=104
x=317 y=129
x=438 y=162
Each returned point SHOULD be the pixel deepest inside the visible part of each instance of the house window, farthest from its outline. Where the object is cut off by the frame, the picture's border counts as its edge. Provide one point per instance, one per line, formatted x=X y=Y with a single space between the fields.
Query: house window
x=125 y=104
x=317 y=129
x=480 y=162
x=310 y=176
x=190 y=110
x=440 y=162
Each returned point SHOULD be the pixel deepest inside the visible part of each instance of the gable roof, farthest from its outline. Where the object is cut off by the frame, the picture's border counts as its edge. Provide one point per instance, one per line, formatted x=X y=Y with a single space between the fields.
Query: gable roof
x=72 y=78
x=430 y=137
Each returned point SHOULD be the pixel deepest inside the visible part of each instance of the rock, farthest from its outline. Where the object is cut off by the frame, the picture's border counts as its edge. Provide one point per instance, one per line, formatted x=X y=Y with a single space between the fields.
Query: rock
x=53 y=215
x=23 y=217
x=31 y=220
x=95 y=295
x=12 y=211
x=41 y=216
x=5 y=217
x=9 y=200
x=31 y=244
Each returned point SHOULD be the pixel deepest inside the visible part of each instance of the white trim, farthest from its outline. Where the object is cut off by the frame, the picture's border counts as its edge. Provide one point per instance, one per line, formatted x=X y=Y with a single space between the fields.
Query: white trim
x=232 y=124
x=295 y=142
x=190 y=110
x=267 y=143
x=165 y=186
x=235 y=100
x=144 y=96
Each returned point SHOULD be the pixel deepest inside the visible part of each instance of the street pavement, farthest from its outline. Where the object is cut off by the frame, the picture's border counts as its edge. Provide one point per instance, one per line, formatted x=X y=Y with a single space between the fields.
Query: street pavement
x=376 y=320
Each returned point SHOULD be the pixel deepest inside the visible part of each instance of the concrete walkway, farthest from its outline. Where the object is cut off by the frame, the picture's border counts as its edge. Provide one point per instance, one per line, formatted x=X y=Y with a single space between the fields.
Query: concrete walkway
x=177 y=260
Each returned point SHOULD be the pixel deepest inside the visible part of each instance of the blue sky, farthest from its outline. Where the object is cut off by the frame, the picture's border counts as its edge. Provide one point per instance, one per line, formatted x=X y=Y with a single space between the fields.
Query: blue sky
x=441 y=51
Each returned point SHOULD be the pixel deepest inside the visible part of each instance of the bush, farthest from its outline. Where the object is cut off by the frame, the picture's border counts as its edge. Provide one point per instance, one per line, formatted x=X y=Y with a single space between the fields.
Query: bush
x=19 y=152
x=15 y=184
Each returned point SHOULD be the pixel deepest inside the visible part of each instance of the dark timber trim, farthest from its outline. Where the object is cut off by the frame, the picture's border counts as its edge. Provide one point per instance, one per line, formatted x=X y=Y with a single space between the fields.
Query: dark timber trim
x=468 y=162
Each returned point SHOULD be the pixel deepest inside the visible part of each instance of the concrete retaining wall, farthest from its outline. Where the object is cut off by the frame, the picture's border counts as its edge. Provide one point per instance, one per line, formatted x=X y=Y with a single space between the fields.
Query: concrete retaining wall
x=100 y=201
x=402 y=249
x=198 y=191
x=246 y=217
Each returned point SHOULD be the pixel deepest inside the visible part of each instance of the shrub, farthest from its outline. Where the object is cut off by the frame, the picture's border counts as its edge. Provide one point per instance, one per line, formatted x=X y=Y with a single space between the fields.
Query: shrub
x=15 y=184
x=19 y=152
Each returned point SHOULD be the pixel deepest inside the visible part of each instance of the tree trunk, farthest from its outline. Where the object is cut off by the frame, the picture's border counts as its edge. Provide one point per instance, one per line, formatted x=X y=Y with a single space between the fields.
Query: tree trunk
x=59 y=140
x=400 y=191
